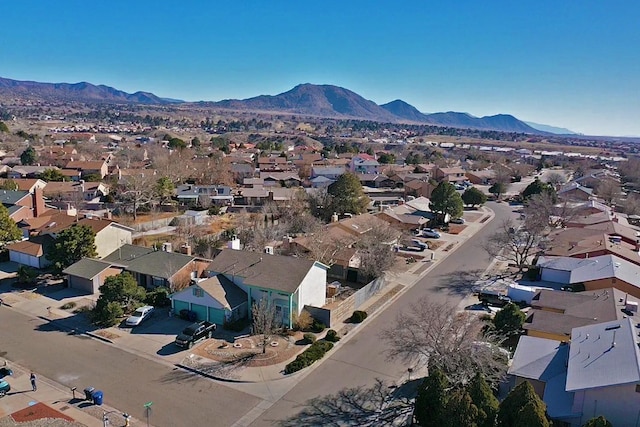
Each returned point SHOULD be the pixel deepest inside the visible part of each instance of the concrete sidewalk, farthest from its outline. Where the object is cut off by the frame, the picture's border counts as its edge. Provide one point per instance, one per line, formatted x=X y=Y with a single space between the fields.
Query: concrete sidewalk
x=57 y=397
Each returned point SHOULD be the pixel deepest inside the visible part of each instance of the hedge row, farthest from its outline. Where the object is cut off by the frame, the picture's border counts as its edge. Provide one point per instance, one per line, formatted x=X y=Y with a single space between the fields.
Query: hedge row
x=307 y=357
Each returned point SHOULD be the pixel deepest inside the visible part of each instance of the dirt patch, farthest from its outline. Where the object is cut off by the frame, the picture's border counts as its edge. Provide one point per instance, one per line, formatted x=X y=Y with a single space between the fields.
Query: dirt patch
x=249 y=350
x=449 y=247
x=456 y=228
x=435 y=244
x=37 y=412
x=106 y=334
x=29 y=295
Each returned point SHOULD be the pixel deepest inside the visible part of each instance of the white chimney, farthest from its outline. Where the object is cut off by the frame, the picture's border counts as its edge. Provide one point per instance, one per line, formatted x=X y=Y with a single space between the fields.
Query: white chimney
x=166 y=247
x=268 y=250
x=234 y=244
x=334 y=217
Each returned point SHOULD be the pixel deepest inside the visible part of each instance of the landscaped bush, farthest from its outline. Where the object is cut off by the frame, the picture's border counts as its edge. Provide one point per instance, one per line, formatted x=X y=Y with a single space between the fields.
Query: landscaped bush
x=358 y=316
x=303 y=321
x=158 y=298
x=108 y=314
x=332 y=336
x=317 y=326
x=317 y=350
x=68 y=306
x=309 y=338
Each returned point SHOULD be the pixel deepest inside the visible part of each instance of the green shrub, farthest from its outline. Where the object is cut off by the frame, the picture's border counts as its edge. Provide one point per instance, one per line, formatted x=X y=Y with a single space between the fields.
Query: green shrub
x=332 y=336
x=68 y=306
x=317 y=326
x=158 y=298
x=316 y=352
x=309 y=338
x=82 y=309
x=358 y=316
x=108 y=314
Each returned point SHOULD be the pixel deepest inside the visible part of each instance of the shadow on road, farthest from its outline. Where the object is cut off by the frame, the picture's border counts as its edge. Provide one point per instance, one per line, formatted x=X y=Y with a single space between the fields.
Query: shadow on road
x=169 y=349
x=459 y=283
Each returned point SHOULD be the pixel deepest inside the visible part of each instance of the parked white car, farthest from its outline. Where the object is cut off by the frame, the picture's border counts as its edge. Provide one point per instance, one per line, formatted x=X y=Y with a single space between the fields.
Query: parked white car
x=430 y=232
x=139 y=316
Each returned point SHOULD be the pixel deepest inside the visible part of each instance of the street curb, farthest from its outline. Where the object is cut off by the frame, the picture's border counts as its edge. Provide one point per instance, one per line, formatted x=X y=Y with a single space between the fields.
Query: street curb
x=62 y=327
x=212 y=377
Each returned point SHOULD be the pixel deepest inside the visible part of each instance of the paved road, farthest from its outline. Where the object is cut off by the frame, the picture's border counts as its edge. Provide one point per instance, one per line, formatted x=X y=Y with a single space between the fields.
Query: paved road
x=362 y=358
x=127 y=380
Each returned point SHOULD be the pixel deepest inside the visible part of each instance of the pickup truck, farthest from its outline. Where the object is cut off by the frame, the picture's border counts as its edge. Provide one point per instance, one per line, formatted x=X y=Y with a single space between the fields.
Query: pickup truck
x=194 y=333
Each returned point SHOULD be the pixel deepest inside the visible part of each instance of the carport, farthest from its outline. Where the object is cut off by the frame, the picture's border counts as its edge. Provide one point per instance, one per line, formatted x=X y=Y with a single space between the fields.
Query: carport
x=215 y=299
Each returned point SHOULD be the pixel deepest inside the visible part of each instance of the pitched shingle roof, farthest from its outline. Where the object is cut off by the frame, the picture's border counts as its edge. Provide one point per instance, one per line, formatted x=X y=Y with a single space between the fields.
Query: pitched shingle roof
x=147 y=261
x=86 y=268
x=277 y=272
x=224 y=291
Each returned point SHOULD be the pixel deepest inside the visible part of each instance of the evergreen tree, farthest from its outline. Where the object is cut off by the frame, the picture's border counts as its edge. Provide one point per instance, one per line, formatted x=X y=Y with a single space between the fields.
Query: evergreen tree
x=473 y=197
x=539 y=187
x=485 y=401
x=509 y=319
x=446 y=200
x=522 y=408
x=71 y=245
x=28 y=156
x=432 y=399
x=347 y=195
x=9 y=230
x=460 y=411
x=4 y=128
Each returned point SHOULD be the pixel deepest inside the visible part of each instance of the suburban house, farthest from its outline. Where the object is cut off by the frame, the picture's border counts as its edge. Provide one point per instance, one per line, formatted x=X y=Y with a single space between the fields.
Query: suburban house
x=554 y=314
x=601 y=272
x=452 y=175
x=22 y=204
x=97 y=167
x=18 y=172
x=260 y=196
x=327 y=172
x=151 y=268
x=597 y=373
x=25 y=184
x=73 y=191
x=32 y=252
x=364 y=163
x=573 y=191
x=411 y=215
x=375 y=180
x=289 y=283
x=280 y=179
x=481 y=177
x=189 y=194
x=215 y=299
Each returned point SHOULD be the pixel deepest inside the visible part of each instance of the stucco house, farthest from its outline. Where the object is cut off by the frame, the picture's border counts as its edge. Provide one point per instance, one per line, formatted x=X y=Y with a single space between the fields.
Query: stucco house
x=595 y=273
x=32 y=252
x=364 y=163
x=215 y=299
x=289 y=283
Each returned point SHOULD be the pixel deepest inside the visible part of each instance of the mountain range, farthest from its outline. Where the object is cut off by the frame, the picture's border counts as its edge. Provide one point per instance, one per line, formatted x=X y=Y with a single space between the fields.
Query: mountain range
x=305 y=99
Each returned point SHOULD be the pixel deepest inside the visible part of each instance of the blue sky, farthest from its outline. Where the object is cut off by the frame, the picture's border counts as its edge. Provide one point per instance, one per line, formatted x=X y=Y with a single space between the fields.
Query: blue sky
x=568 y=63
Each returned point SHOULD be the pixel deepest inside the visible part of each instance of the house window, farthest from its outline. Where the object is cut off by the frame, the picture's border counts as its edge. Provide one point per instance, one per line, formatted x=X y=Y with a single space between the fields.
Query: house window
x=197 y=292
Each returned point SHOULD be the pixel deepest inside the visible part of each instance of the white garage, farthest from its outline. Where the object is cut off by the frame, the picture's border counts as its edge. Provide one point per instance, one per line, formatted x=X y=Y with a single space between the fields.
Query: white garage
x=30 y=252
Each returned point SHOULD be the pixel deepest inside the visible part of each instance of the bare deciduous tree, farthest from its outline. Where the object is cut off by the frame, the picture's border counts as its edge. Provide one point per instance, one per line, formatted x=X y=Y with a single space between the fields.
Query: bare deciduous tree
x=378 y=405
x=265 y=321
x=556 y=178
x=433 y=334
x=136 y=190
x=541 y=211
x=375 y=250
x=610 y=191
x=514 y=244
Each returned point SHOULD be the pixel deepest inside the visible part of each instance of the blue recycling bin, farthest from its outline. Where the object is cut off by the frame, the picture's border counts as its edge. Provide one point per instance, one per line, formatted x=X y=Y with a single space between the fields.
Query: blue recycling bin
x=97 y=397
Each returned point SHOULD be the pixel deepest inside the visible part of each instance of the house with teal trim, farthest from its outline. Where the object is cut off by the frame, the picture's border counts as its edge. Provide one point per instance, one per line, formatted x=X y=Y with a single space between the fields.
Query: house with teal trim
x=289 y=283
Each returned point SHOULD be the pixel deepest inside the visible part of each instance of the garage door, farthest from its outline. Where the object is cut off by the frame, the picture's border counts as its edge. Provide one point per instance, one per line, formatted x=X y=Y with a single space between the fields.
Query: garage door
x=23 y=259
x=200 y=310
x=216 y=316
x=179 y=305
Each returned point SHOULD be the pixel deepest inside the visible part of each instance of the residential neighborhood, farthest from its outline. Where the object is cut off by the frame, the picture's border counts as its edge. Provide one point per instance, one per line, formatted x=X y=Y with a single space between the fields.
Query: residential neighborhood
x=283 y=255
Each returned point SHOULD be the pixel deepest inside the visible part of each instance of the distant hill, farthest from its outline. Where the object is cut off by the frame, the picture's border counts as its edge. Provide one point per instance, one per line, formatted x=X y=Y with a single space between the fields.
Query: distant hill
x=305 y=99
x=81 y=92
x=315 y=100
x=403 y=110
x=501 y=122
x=551 y=129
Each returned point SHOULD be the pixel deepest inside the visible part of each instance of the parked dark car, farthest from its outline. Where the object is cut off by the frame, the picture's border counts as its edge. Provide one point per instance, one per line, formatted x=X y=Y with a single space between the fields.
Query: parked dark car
x=194 y=333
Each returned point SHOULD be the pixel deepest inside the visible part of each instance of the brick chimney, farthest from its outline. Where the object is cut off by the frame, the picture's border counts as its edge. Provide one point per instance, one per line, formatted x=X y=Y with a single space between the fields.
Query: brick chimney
x=38 y=202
